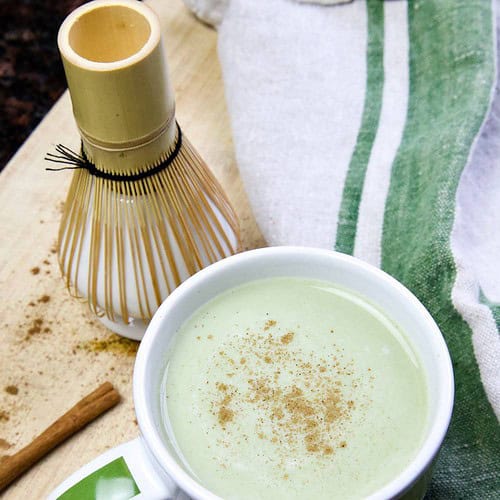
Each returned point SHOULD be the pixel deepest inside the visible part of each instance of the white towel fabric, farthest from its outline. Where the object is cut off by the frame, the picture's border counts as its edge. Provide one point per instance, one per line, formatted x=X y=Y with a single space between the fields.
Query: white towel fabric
x=323 y=106
x=295 y=88
x=212 y=11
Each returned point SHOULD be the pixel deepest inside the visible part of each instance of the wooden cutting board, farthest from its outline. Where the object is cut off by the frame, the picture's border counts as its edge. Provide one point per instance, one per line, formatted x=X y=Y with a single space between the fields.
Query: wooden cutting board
x=52 y=350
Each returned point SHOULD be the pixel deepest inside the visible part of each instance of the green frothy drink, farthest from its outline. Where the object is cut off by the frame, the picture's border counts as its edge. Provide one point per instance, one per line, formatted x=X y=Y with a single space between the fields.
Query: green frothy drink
x=293 y=388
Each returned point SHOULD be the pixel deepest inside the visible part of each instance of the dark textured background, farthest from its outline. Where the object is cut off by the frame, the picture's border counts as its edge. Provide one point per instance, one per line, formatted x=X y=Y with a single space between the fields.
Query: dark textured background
x=31 y=73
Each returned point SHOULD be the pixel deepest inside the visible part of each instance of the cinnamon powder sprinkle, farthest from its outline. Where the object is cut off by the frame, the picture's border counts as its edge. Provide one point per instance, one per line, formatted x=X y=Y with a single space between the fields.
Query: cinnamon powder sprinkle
x=12 y=390
x=302 y=400
x=35 y=270
x=35 y=328
x=4 y=416
x=269 y=324
x=225 y=415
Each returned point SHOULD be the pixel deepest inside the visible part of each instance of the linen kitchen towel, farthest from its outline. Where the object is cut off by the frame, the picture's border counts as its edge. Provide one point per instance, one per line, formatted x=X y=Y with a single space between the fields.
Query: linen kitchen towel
x=373 y=127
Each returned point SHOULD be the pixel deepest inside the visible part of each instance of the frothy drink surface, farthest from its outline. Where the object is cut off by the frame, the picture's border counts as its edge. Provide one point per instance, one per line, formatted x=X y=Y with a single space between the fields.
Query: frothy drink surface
x=292 y=388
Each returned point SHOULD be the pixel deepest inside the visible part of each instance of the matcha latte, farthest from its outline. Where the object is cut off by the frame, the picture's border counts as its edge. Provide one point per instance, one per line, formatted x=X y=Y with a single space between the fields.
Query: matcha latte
x=293 y=388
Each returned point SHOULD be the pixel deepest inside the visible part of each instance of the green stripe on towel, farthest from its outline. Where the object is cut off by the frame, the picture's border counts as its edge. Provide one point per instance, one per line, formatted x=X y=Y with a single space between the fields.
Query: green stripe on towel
x=495 y=308
x=451 y=76
x=353 y=187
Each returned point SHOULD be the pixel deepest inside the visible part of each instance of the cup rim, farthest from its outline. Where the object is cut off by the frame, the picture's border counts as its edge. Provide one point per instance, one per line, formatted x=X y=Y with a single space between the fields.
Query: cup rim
x=399 y=484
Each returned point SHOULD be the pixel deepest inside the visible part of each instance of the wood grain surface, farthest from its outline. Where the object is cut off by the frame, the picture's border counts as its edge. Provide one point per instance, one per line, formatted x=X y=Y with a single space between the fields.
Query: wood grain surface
x=53 y=350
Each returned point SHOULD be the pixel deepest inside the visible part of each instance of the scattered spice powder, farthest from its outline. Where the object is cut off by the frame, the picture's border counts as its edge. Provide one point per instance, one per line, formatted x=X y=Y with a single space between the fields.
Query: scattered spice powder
x=35 y=270
x=4 y=416
x=286 y=339
x=4 y=445
x=12 y=389
x=304 y=409
x=36 y=327
x=224 y=413
x=269 y=324
x=44 y=299
x=114 y=344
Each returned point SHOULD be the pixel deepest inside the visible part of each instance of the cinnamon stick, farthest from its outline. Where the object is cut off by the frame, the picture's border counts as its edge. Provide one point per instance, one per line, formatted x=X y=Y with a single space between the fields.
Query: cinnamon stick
x=86 y=410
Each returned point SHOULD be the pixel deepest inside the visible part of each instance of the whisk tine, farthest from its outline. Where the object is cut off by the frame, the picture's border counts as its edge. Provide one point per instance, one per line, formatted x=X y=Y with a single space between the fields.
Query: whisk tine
x=199 y=219
x=166 y=211
x=207 y=178
x=208 y=215
x=108 y=251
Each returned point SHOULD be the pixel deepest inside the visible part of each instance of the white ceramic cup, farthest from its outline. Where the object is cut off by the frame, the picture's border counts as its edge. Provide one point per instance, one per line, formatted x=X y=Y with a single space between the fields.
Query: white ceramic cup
x=151 y=461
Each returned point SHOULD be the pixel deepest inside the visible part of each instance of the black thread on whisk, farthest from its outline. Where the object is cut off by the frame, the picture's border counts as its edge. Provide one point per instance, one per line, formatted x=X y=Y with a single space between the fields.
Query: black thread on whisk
x=77 y=161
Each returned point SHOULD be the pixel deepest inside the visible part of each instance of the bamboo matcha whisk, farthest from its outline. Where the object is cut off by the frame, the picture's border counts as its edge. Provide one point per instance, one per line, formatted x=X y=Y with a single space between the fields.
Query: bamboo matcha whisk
x=143 y=211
